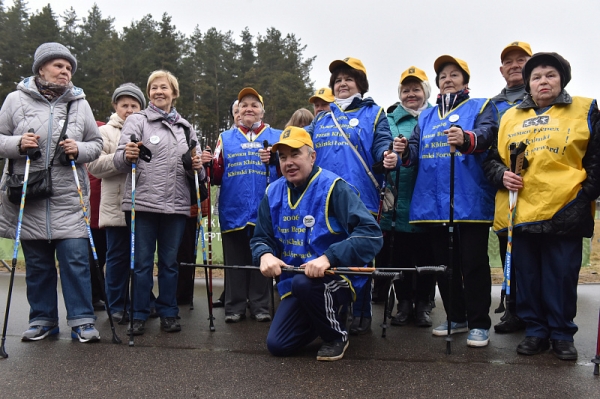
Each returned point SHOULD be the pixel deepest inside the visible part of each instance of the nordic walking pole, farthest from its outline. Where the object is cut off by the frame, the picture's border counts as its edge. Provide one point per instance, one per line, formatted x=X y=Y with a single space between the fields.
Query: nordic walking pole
x=35 y=155
x=595 y=360
x=198 y=219
x=115 y=338
x=272 y=282
x=450 y=249
x=517 y=161
x=132 y=246
x=391 y=301
x=208 y=273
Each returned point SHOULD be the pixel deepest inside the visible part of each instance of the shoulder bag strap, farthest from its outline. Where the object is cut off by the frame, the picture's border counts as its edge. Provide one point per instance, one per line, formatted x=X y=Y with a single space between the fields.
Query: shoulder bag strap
x=362 y=161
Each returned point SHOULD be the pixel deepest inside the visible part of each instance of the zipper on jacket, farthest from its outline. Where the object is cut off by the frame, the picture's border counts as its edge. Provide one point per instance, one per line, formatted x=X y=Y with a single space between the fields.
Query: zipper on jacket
x=48 y=145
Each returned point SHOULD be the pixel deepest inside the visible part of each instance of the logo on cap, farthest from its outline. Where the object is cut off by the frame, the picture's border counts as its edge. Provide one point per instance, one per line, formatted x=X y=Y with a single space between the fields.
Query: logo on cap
x=286 y=134
x=321 y=91
x=346 y=59
x=514 y=44
x=411 y=70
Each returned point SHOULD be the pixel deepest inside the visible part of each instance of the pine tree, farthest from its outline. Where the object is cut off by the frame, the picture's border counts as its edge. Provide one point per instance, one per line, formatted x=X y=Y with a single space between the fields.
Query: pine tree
x=42 y=28
x=95 y=34
x=15 y=62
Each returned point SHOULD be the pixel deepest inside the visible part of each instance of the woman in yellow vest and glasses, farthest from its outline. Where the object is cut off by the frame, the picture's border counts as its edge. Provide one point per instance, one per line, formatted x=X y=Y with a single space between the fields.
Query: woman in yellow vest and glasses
x=555 y=196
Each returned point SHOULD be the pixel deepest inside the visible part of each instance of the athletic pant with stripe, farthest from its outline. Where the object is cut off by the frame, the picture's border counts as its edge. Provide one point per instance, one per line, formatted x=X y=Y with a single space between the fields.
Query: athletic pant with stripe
x=312 y=310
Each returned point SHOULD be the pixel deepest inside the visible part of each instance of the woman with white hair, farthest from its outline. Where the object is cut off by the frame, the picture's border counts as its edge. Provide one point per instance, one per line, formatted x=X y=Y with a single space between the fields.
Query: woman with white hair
x=400 y=237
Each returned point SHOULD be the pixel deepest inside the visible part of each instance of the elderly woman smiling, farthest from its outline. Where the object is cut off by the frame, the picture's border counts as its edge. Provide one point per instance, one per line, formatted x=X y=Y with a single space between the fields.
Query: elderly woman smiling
x=162 y=199
x=554 y=209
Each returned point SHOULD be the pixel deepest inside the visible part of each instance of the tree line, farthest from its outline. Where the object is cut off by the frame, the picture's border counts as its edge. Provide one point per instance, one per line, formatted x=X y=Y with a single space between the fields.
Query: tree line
x=211 y=66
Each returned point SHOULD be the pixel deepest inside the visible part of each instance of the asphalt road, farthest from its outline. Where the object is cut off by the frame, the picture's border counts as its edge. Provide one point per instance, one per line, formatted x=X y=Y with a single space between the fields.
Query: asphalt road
x=233 y=361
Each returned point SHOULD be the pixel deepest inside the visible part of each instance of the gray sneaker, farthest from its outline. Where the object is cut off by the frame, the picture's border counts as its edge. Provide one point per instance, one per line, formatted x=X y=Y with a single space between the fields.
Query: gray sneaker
x=85 y=333
x=36 y=333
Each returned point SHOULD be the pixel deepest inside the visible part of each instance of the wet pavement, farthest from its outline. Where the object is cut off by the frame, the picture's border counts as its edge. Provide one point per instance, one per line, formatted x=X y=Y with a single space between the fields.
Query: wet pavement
x=233 y=361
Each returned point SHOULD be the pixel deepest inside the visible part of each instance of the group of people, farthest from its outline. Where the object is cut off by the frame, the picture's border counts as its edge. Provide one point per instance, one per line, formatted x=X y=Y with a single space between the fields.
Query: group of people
x=311 y=198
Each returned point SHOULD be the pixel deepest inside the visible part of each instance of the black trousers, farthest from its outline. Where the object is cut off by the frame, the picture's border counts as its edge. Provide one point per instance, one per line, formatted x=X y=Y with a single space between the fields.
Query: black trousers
x=409 y=250
x=185 y=280
x=467 y=296
x=243 y=287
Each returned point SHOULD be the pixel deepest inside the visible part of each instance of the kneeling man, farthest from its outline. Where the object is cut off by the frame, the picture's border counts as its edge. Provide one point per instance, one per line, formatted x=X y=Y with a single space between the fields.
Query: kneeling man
x=315 y=220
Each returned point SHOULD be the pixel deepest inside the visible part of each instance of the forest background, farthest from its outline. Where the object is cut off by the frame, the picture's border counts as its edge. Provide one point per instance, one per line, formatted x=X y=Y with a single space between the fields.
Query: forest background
x=211 y=66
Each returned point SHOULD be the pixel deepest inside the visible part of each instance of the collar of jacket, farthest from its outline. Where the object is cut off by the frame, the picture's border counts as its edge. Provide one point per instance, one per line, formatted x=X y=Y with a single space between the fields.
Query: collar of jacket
x=562 y=98
x=152 y=115
x=246 y=130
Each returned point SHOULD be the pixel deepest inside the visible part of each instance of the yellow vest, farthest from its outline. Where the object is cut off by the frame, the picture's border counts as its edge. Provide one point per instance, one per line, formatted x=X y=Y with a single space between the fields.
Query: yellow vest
x=556 y=143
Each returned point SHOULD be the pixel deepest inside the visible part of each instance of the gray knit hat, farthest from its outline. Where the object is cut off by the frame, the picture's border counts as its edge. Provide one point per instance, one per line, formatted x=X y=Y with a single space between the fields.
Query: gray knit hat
x=50 y=51
x=129 y=89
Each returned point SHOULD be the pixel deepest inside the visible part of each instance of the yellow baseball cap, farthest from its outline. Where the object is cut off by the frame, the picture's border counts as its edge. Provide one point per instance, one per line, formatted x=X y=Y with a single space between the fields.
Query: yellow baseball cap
x=353 y=63
x=250 y=91
x=414 y=72
x=324 y=94
x=294 y=137
x=445 y=59
x=516 y=46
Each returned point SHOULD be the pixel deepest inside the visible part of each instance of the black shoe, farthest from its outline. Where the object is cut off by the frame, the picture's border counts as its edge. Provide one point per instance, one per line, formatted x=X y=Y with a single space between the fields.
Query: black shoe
x=510 y=324
x=332 y=351
x=564 y=350
x=358 y=328
x=153 y=313
x=138 y=327
x=422 y=311
x=533 y=345
x=218 y=304
x=169 y=324
x=404 y=314
x=98 y=304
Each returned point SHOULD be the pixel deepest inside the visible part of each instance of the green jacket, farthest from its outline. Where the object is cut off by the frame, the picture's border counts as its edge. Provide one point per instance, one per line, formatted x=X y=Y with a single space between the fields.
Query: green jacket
x=401 y=122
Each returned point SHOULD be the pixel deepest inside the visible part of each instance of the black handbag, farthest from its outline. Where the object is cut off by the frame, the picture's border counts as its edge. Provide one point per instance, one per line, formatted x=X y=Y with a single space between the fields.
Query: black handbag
x=39 y=183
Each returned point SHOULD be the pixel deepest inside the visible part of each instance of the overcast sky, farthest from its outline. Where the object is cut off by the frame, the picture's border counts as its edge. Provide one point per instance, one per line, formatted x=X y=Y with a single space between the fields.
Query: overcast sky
x=389 y=36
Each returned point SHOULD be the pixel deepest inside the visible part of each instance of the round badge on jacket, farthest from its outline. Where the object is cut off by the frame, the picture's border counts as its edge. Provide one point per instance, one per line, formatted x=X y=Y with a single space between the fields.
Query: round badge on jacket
x=309 y=221
x=353 y=122
x=454 y=118
x=154 y=139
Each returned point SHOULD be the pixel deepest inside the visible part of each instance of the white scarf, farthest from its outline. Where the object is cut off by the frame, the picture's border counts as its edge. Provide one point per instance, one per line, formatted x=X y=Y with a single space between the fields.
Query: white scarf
x=413 y=112
x=344 y=103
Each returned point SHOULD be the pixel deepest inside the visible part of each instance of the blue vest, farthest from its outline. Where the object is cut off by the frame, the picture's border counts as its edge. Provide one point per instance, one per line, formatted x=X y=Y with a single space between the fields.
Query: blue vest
x=473 y=194
x=297 y=242
x=503 y=106
x=244 y=177
x=334 y=153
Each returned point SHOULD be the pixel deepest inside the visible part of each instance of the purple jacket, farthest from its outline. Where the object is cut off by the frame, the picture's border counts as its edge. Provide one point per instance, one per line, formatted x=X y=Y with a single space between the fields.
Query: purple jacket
x=161 y=185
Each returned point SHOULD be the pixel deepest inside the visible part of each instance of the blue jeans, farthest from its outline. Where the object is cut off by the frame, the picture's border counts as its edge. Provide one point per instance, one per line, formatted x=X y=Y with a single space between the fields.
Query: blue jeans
x=162 y=231
x=41 y=278
x=118 y=241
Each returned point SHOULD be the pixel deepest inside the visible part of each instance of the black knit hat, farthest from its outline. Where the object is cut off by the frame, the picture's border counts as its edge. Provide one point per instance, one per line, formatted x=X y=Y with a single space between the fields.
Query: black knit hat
x=551 y=59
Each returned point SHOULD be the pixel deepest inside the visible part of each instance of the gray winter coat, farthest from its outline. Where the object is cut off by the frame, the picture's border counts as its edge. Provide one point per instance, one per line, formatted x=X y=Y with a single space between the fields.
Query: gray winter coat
x=161 y=185
x=60 y=216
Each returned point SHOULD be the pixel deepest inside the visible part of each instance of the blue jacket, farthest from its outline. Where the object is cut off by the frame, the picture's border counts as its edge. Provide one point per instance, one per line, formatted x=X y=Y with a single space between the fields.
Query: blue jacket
x=428 y=149
x=244 y=177
x=363 y=238
x=367 y=127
